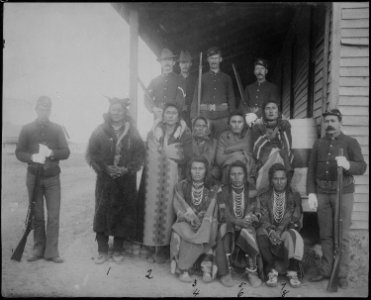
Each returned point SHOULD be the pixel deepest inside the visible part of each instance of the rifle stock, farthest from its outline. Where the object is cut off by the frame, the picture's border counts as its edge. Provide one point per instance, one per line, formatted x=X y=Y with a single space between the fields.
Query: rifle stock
x=18 y=253
x=333 y=281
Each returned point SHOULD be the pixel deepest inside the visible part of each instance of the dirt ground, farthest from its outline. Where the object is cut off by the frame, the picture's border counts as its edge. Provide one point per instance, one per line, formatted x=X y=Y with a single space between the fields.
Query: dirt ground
x=78 y=276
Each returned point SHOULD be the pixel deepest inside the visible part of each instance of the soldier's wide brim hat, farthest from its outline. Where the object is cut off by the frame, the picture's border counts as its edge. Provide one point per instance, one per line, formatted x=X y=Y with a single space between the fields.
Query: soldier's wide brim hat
x=166 y=54
x=261 y=62
x=333 y=112
x=185 y=56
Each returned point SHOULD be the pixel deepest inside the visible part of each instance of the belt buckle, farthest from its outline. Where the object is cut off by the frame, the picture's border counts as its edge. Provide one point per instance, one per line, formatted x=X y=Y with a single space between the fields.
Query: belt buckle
x=212 y=107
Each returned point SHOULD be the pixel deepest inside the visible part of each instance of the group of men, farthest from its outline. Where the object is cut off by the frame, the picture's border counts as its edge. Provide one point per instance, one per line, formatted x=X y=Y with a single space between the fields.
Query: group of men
x=42 y=144
x=217 y=97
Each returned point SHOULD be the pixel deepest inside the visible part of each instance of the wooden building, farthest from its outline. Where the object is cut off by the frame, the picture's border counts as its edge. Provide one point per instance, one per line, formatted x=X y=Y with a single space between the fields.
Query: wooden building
x=318 y=54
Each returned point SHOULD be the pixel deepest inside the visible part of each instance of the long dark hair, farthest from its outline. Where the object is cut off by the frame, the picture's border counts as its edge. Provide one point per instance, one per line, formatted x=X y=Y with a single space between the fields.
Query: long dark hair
x=242 y=165
x=279 y=167
x=203 y=160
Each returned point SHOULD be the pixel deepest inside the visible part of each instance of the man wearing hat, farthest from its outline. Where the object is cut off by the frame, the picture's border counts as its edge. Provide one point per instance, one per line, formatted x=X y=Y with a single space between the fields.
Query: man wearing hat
x=259 y=92
x=165 y=88
x=321 y=187
x=217 y=94
x=42 y=144
x=188 y=82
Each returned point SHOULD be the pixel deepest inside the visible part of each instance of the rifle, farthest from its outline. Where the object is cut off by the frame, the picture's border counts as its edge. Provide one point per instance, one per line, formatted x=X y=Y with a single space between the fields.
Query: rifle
x=148 y=96
x=199 y=85
x=239 y=84
x=332 y=285
x=17 y=254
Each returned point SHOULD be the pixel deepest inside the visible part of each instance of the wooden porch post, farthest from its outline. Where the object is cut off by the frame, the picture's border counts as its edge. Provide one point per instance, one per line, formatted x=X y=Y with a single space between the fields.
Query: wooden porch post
x=133 y=22
x=335 y=56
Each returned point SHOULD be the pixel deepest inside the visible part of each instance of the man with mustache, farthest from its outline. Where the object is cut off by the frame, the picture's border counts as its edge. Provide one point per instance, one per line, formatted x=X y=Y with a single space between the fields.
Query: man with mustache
x=165 y=88
x=217 y=94
x=260 y=91
x=321 y=187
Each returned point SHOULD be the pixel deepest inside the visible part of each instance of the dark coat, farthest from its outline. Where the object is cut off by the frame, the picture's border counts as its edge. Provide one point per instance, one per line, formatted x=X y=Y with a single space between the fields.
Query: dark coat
x=115 y=199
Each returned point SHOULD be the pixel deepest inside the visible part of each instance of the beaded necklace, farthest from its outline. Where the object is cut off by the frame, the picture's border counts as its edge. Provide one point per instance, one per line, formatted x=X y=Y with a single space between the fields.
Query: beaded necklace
x=238 y=197
x=197 y=192
x=279 y=206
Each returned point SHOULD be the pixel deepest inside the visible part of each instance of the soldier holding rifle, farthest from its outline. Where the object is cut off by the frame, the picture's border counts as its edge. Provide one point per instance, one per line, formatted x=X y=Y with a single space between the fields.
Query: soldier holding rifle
x=321 y=187
x=42 y=145
x=217 y=94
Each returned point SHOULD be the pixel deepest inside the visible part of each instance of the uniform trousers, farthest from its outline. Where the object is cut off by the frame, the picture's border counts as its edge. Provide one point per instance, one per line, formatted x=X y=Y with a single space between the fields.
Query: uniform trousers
x=325 y=212
x=45 y=239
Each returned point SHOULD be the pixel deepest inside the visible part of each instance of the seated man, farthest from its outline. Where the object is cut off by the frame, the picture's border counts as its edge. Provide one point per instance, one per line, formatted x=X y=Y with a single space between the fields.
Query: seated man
x=236 y=242
x=281 y=219
x=234 y=145
x=194 y=232
x=271 y=137
x=204 y=145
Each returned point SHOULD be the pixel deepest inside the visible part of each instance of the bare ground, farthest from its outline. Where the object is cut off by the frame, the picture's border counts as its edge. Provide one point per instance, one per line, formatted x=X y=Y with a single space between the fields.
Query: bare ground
x=78 y=275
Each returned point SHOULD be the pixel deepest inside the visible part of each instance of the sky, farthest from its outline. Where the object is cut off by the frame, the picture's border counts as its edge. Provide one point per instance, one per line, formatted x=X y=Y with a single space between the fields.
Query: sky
x=75 y=53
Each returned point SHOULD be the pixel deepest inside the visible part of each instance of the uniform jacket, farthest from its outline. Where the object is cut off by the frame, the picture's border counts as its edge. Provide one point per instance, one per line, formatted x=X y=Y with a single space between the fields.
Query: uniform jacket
x=217 y=88
x=322 y=170
x=49 y=134
x=166 y=88
x=256 y=94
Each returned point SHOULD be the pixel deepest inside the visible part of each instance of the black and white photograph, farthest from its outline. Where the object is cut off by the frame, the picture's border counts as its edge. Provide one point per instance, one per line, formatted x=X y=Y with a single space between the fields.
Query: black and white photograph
x=185 y=149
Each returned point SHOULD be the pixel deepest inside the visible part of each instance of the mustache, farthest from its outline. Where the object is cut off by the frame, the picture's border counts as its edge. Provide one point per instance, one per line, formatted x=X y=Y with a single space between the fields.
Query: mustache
x=330 y=128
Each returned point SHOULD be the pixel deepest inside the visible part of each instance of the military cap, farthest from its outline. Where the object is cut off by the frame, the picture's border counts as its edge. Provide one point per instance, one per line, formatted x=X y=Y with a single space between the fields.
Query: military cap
x=185 y=56
x=44 y=102
x=213 y=51
x=333 y=112
x=261 y=62
x=166 y=54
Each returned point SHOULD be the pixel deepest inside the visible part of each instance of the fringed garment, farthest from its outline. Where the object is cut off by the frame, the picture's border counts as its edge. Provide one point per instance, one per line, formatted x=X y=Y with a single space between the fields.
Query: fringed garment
x=282 y=212
x=272 y=144
x=115 y=199
x=187 y=243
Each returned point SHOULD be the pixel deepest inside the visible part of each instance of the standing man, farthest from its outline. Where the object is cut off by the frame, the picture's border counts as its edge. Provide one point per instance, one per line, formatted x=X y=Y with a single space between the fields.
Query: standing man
x=42 y=145
x=188 y=82
x=321 y=187
x=259 y=92
x=165 y=88
x=217 y=94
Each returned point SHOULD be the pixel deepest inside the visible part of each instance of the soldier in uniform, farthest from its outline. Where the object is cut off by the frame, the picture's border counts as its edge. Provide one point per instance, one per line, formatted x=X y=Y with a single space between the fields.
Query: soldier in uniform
x=188 y=82
x=321 y=187
x=260 y=91
x=217 y=94
x=165 y=88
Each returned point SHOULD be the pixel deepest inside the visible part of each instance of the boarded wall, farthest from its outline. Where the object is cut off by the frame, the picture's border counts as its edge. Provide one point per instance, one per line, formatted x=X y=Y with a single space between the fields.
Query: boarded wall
x=353 y=91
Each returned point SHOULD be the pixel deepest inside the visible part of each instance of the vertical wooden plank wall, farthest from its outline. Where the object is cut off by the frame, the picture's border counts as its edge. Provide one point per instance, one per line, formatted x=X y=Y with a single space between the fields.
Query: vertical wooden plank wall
x=353 y=92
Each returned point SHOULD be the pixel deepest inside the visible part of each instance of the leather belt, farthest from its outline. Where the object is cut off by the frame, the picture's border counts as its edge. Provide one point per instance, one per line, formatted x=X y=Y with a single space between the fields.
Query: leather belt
x=214 y=107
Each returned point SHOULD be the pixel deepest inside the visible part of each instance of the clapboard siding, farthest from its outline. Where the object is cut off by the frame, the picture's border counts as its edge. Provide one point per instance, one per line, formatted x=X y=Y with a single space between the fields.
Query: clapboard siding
x=346 y=81
x=353 y=101
x=353 y=89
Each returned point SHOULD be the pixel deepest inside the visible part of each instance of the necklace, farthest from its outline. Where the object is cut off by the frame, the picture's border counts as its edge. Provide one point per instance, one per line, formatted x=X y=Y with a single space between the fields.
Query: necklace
x=238 y=197
x=197 y=192
x=279 y=206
